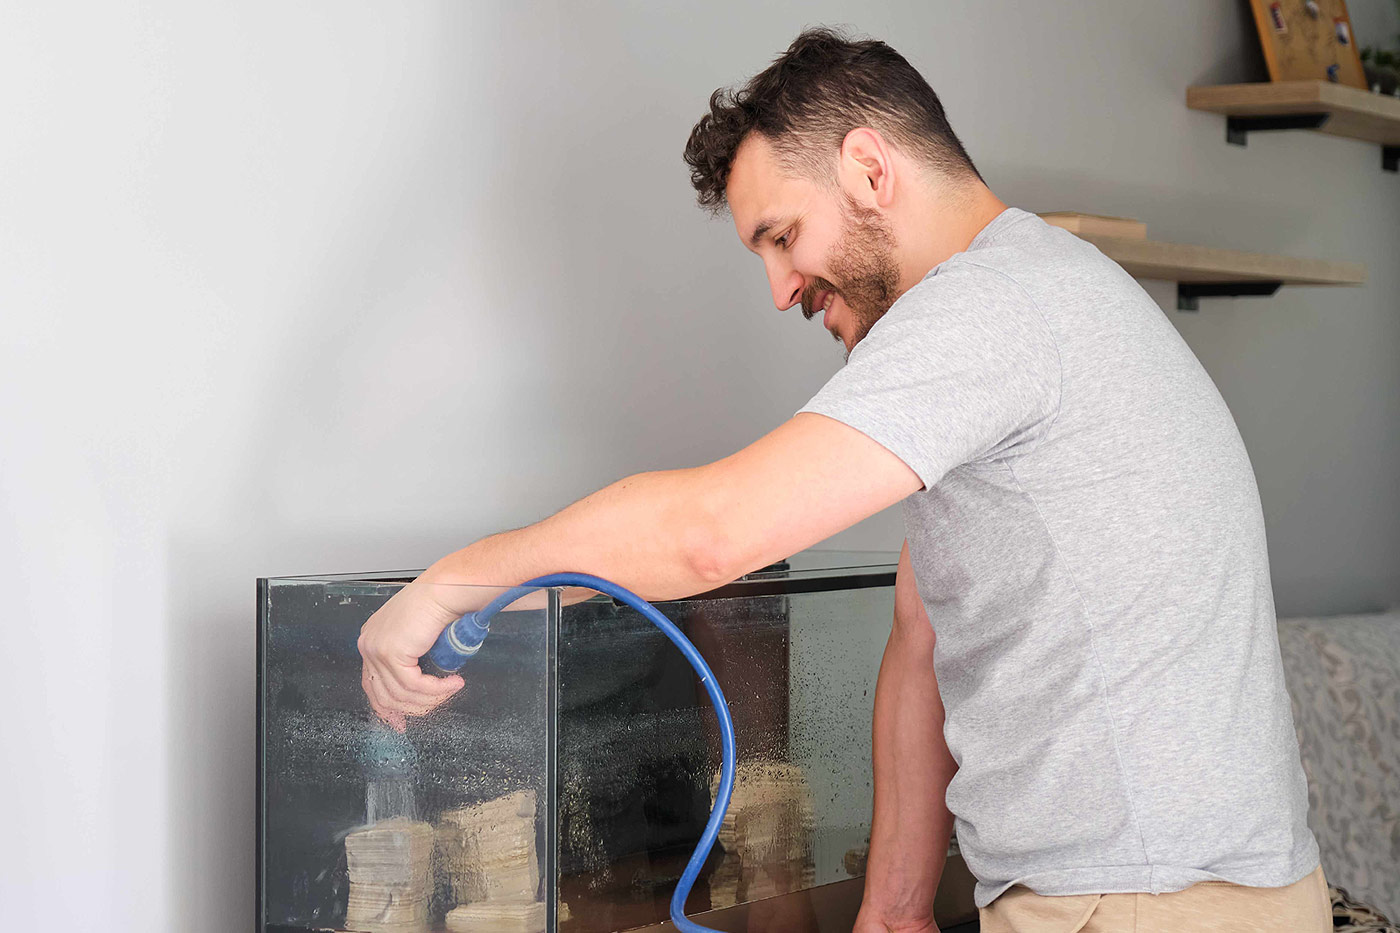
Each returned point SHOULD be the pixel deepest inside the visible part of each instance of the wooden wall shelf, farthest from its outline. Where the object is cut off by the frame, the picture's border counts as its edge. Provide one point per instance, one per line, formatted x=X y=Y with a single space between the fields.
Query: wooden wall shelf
x=1204 y=271
x=1334 y=109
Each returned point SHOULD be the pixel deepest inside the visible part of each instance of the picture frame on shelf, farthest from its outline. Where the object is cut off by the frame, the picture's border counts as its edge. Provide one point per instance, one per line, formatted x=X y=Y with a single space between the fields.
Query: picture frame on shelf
x=1309 y=40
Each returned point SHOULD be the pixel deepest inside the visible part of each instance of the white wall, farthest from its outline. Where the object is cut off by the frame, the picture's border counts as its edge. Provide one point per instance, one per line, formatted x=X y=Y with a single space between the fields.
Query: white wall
x=324 y=287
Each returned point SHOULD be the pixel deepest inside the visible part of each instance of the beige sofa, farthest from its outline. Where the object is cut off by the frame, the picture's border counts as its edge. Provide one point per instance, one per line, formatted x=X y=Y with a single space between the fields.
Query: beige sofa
x=1343 y=674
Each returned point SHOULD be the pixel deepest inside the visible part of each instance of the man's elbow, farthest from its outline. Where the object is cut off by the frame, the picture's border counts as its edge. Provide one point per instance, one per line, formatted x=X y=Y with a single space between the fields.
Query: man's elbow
x=711 y=555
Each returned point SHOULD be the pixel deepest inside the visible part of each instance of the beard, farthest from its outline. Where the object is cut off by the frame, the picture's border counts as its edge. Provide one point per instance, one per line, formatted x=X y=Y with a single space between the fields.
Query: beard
x=863 y=265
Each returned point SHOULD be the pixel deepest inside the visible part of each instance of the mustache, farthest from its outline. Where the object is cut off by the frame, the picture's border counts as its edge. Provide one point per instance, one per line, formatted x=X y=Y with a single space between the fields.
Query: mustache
x=809 y=296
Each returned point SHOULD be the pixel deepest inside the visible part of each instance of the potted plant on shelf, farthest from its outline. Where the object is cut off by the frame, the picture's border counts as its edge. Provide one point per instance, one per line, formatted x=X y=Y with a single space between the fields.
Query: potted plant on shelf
x=1382 y=66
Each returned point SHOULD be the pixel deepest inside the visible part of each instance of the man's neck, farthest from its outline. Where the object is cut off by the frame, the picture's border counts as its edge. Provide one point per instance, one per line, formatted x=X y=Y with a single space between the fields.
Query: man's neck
x=947 y=224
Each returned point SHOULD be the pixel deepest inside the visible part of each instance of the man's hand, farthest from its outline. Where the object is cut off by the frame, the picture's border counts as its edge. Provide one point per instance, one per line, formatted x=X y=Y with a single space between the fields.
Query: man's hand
x=391 y=643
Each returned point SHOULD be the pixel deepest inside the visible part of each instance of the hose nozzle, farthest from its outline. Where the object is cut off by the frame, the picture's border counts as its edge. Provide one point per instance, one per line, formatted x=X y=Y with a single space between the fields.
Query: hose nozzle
x=458 y=642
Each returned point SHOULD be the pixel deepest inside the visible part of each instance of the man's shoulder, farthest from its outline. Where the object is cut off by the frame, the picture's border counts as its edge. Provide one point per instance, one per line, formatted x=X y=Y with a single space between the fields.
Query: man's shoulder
x=971 y=280
x=1030 y=247
x=1033 y=262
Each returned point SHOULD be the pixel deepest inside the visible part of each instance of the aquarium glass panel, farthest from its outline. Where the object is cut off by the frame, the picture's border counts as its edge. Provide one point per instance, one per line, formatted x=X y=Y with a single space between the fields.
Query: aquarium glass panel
x=366 y=829
x=565 y=787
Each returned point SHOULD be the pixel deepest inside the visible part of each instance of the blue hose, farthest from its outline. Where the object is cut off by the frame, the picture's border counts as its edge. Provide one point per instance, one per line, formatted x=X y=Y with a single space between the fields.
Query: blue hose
x=460 y=640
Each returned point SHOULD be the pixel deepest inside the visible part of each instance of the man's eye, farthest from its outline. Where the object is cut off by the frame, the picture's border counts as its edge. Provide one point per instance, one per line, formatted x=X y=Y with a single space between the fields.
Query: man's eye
x=782 y=241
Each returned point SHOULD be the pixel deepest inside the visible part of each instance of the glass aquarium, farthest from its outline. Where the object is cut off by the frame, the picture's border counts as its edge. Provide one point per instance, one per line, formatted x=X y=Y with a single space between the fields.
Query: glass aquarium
x=565 y=787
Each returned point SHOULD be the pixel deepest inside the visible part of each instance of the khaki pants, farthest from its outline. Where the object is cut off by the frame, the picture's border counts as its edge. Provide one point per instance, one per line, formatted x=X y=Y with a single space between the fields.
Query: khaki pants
x=1301 y=907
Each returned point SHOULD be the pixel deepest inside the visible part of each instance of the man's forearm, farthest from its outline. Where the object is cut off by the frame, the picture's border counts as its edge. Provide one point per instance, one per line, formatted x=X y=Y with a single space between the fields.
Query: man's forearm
x=671 y=534
x=650 y=533
x=912 y=767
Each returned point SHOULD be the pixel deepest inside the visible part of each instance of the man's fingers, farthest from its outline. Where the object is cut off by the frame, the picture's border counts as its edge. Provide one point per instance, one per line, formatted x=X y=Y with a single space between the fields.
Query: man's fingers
x=388 y=700
x=413 y=686
x=440 y=687
x=407 y=690
x=385 y=711
x=414 y=704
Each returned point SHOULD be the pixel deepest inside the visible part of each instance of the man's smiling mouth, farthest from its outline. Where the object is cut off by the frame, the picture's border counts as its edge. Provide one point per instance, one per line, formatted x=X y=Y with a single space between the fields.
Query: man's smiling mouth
x=822 y=303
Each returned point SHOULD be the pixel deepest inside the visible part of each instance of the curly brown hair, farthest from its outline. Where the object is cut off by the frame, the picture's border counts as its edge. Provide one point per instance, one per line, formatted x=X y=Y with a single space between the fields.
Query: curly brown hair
x=805 y=103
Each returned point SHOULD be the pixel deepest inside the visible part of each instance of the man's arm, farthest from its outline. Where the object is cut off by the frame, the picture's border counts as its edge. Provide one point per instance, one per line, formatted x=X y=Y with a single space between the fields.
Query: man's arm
x=664 y=535
x=911 y=825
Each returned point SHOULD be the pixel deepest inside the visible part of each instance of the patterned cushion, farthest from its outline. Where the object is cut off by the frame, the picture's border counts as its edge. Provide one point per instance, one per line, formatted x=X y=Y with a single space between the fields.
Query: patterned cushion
x=1343 y=675
x=1352 y=916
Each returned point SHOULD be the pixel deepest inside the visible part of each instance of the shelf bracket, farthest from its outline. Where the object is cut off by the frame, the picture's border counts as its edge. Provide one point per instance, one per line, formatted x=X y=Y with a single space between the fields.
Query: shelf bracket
x=1188 y=294
x=1390 y=158
x=1237 y=129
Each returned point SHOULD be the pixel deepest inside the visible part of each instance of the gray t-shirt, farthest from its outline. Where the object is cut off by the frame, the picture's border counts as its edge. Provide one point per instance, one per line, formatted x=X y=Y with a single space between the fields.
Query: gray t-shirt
x=1090 y=548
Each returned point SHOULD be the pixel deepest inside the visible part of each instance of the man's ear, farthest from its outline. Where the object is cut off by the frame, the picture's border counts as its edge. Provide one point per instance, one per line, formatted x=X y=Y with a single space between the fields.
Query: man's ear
x=865 y=170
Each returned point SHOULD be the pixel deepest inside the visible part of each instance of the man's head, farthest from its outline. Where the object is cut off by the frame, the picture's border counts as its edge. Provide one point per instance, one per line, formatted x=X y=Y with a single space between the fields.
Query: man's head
x=835 y=162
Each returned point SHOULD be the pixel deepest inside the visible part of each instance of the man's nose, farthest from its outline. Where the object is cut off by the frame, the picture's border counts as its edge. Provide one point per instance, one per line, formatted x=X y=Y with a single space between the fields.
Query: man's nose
x=787 y=288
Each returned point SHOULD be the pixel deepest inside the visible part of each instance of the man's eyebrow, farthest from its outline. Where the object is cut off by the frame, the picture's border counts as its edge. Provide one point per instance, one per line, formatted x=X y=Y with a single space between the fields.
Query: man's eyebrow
x=763 y=227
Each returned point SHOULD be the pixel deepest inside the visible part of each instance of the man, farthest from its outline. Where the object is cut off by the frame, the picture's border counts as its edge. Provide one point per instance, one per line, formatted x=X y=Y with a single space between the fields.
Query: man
x=1103 y=712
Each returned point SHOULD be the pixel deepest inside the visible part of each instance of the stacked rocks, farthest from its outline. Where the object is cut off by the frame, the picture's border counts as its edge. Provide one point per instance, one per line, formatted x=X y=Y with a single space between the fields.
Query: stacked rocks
x=488 y=851
x=766 y=835
x=390 y=866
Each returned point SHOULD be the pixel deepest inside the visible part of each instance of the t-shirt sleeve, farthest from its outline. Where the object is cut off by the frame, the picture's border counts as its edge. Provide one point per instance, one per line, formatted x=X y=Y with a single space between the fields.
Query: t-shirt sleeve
x=962 y=368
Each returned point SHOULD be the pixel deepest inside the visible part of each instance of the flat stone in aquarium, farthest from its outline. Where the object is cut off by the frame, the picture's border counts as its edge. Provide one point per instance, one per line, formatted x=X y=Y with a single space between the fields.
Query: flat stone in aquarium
x=390 y=867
